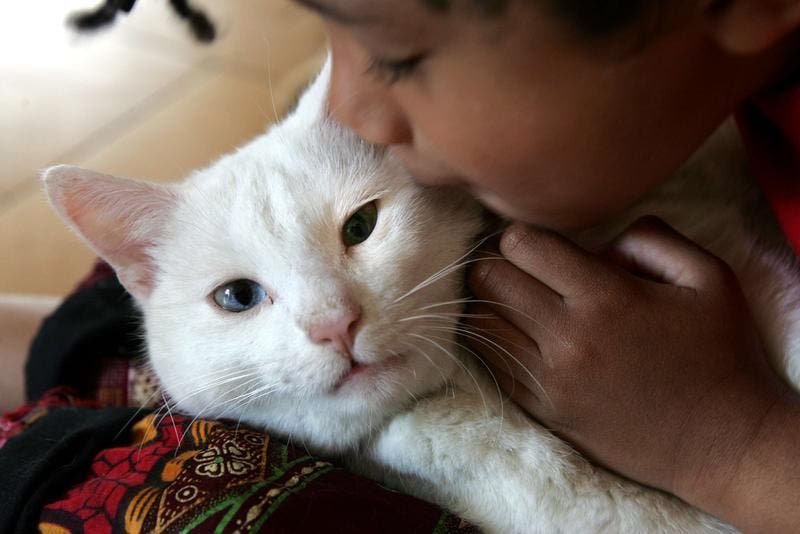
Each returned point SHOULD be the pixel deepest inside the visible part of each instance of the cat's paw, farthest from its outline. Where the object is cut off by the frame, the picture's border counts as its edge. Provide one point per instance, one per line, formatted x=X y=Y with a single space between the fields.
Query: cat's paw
x=405 y=445
x=437 y=441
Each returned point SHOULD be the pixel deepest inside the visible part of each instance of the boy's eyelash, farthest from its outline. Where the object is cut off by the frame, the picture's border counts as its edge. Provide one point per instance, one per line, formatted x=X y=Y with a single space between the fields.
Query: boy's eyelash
x=393 y=70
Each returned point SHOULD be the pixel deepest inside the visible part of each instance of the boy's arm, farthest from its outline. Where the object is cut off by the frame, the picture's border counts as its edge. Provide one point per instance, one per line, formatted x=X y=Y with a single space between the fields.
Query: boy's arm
x=758 y=491
x=660 y=375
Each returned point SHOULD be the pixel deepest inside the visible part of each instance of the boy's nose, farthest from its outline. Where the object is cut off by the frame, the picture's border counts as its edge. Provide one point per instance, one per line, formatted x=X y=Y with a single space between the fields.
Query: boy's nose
x=364 y=104
x=338 y=331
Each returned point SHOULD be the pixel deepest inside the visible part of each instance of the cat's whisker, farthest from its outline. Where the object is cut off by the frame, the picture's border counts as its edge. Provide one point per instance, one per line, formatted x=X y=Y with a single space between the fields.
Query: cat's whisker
x=493 y=344
x=217 y=374
x=460 y=364
x=460 y=301
x=144 y=434
x=221 y=377
x=269 y=80
x=454 y=265
x=159 y=392
x=174 y=426
x=159 y=417
x=469 y=300
x=247 y=389
x=241 y=398
x=214 y=384
x=457 y=330
x=446 y=316
x=450 y=269
x=206 y=407
x=250 y=396
x=232 y=406
x=155 y=421
x=189 y=426
x=132 y=418
x=402 y=385
x=411 y=368
x=500 y=397
x=461 y=328
x=516 y=310
x=258 y=395
x=177 y=402
x=427 y=357
x=466 y=369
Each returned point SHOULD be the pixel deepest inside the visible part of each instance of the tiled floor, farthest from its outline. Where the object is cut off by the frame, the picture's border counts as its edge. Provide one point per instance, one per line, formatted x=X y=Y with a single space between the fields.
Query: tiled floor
x=140 y=99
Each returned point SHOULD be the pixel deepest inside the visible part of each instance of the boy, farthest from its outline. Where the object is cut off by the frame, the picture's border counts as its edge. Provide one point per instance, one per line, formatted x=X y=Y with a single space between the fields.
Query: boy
x=558 y=115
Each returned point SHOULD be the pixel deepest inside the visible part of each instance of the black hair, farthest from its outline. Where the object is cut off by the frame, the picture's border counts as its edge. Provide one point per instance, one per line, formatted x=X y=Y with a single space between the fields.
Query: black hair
x=591 y=18
x=597 y=19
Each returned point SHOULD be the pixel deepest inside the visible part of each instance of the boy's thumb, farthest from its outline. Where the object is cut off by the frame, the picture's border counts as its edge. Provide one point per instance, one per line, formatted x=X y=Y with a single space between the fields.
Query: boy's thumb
x=652 y=249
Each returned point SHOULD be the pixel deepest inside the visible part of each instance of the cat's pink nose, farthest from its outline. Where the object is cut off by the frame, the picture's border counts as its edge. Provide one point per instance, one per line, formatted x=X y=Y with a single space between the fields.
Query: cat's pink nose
x=339 y=331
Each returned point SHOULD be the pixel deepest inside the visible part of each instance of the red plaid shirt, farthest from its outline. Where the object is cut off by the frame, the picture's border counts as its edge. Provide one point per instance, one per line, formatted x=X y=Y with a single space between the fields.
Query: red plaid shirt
x=770 y=126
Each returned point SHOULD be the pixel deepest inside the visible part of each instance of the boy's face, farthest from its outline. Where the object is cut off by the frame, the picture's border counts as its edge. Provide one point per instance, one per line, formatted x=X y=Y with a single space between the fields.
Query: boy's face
x=539 y=124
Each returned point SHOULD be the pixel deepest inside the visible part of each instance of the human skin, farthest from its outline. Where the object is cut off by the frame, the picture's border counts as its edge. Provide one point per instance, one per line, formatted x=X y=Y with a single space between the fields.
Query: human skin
x=558 y=131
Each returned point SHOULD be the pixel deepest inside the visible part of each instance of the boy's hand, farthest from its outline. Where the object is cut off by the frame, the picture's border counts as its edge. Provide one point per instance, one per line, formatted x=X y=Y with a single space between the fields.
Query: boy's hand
x=645 y=358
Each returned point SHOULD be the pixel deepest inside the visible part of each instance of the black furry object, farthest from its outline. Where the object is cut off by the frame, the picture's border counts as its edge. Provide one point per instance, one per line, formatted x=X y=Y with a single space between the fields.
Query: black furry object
x=201 y=26
x=199 y=23
x=102 y=16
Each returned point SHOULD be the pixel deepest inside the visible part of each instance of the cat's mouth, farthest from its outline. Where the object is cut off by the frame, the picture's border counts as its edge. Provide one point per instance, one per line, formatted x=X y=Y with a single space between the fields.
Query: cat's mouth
x=360 y=372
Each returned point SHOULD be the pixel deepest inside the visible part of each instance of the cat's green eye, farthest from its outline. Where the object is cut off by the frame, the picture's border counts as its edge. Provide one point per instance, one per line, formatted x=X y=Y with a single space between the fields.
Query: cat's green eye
x=360 y=225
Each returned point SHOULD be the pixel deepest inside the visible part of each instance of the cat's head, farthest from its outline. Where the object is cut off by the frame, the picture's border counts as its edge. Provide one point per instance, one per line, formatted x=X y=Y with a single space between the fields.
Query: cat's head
x=289 y=283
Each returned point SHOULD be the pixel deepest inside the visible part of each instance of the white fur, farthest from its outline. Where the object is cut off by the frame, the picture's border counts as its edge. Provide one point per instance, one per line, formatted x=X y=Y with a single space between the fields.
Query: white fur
x=430 y=421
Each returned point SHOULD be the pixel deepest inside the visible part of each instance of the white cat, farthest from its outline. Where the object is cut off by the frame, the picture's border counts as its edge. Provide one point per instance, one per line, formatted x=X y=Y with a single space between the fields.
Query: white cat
x=306 y=285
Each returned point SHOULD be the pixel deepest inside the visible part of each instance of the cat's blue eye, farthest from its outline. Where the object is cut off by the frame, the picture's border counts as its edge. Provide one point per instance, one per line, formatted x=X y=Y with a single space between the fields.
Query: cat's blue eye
x=360 y=225
x=239 y=295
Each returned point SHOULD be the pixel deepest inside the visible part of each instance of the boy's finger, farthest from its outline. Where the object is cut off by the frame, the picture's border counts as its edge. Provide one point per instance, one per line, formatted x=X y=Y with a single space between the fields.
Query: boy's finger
x=653 y=249
x=513 y=294
x=552 y=259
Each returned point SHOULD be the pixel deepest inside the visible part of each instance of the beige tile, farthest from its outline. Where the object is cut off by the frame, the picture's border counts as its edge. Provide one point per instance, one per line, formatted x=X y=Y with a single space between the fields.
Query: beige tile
x=57 y=91
x=45 y=258
x=256 y=35
x=139 y=100
x=215 y=114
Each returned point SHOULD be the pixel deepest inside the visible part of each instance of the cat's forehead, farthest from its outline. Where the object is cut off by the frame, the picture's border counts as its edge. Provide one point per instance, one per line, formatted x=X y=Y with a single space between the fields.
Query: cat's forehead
x=296 y=186
x=319 y=164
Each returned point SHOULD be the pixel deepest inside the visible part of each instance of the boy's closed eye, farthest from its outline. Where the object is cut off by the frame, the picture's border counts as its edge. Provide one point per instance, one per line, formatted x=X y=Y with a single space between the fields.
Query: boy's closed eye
x=395 y=70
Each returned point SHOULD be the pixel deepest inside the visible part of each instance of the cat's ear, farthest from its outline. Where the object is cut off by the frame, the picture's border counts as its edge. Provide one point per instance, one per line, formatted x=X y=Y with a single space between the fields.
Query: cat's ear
x=312 y=105
x=120 y=219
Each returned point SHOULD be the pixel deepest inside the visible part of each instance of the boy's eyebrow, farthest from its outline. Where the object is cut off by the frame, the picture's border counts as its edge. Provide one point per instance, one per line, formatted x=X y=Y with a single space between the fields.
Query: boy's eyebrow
x=332 y=11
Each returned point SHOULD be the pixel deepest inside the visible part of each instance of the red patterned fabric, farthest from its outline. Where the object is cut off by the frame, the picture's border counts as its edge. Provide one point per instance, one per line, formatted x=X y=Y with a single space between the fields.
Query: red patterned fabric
x=14 y=422
x=180 y=475
x=176 y=474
